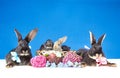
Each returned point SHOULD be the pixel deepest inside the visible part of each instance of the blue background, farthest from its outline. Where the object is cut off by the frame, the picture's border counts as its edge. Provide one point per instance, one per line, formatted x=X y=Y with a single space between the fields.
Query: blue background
x=55 y=19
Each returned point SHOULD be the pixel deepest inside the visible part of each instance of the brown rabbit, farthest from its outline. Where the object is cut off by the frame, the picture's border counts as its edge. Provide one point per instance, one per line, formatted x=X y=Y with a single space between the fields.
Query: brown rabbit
x=21 y=55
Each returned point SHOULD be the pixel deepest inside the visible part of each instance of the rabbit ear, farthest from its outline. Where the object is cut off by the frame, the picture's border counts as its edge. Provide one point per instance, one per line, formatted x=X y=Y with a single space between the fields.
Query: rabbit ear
x=31 y=35
x=62 y=40
x=18 y=35
x=59 y=42
x=100 y=40
x=92 y=38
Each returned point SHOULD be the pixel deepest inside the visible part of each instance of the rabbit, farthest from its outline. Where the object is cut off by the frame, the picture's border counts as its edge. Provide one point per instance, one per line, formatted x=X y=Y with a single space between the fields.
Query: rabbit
x=58 y=44
x=48 y=45
x=65 y=48
x=89 y=55
x=21 y=55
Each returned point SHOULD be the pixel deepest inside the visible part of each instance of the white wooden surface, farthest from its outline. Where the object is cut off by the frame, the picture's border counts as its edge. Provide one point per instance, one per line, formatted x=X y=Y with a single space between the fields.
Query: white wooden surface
x=87 y=72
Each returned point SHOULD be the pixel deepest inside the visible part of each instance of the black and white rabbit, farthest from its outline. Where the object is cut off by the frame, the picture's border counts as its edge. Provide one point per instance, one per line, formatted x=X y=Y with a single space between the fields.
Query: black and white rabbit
x=89 y=55
x=21 y=55
x=48 y=45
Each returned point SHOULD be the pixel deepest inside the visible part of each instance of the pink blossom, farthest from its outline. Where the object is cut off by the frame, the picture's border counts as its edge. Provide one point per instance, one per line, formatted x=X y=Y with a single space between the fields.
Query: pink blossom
x=71 y=56
x=101 y=61
x=38 y=61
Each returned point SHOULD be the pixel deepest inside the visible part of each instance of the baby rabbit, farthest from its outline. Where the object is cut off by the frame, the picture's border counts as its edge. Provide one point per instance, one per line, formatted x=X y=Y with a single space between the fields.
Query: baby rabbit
x=89 y=55
x=21 y=55
x=58 y=44
x=48 y=45
x=65 y=48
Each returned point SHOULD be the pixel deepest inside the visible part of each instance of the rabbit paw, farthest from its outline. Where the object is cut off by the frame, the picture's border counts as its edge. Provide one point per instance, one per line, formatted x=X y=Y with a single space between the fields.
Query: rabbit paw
x=10 y=65
x=29 y=64
x=112 y=64
x=83 y=64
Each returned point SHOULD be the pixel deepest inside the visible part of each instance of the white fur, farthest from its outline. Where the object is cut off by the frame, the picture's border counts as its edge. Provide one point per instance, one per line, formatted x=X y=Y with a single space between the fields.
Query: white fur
x=86 y=47
x=103 y=38
x=90 y=37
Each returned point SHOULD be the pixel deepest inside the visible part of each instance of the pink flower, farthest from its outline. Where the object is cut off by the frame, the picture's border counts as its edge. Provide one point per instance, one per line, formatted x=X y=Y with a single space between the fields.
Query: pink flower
x=38 y=61
x=101 y=61
x=52 y=58
x=71 y=56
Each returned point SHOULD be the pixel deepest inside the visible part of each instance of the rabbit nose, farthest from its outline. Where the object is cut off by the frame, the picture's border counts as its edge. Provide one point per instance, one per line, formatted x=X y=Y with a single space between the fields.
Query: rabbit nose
x=98 y=55
x=24 y=51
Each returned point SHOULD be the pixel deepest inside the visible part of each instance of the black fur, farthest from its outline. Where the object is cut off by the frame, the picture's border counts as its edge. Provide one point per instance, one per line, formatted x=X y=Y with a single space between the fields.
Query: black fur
x=65 y=48
x=48 y=45
x=96 y=48
x=22 y=50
